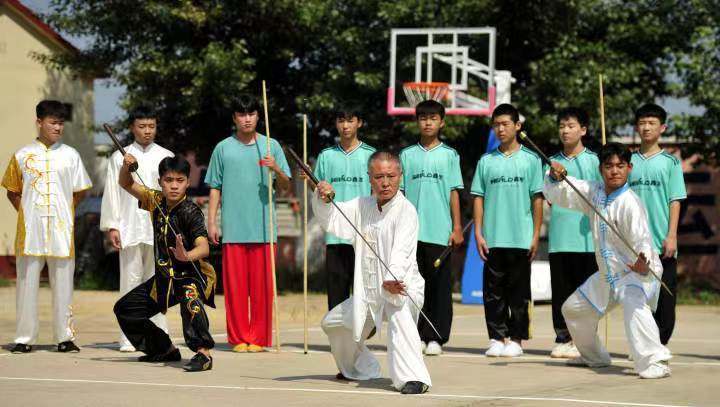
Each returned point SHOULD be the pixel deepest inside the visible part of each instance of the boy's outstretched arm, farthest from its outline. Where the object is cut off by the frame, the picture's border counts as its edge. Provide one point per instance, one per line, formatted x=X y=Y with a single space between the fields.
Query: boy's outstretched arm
x=199 y=252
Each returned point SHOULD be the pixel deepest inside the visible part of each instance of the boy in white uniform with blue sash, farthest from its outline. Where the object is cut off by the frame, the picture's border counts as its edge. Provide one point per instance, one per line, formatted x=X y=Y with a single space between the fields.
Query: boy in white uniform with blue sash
x=622 y=279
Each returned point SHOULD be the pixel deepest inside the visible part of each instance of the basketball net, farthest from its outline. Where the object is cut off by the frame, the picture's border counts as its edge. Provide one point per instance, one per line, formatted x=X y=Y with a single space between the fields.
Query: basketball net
x=416 y=92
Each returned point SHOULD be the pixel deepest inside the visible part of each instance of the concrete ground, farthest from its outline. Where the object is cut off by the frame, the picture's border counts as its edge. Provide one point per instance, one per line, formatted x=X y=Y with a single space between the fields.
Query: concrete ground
x=462 y=376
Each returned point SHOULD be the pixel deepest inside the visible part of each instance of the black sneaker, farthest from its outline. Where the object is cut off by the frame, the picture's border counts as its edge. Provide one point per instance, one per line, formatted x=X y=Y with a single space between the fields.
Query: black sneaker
x=171 y=356
x=199 y=363
x=68 y=346
x=21 y=348
x=414 y=388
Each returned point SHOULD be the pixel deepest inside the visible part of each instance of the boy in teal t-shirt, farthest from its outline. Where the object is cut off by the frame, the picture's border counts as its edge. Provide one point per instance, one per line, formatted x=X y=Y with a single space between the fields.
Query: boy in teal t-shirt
x=657 y=178
x=431 y=181
x=508 y=214
x=238 y=176
x=572 y=253
x=345 y=167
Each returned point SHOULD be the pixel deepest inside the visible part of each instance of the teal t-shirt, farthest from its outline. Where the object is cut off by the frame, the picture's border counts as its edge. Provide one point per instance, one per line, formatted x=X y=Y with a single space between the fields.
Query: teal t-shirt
x=570 y=230
x=507 y=183
x=657 y=180
x=236 y=171
x=428 y=178
x=347 y=172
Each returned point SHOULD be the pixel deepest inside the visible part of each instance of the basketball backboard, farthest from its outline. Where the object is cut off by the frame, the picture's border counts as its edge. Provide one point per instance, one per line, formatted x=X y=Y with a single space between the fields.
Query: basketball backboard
x=460 y=61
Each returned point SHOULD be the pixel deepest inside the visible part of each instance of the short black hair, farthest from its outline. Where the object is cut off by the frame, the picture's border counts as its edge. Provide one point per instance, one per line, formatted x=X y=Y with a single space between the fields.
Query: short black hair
x=429 y=107
x=174 y=164
x=506 y=109
x=245 y=103
x=611 y=149
x=347 y=113
x=574 y=113
x=51 y=108
x=141 y=112
x=651 y=110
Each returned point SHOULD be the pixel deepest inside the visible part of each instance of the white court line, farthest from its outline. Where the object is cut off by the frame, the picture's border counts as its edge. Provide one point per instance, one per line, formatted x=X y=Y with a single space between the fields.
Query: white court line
x=361 y=392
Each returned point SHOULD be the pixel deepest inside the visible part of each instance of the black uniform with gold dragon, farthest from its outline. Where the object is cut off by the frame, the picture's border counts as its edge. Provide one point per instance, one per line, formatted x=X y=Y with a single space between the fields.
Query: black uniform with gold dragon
x=175 y=282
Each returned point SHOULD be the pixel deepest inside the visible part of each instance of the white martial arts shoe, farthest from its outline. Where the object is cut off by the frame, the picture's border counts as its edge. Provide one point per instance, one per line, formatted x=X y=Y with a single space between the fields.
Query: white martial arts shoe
x=433 y=349
x=656 y=371
x=565 y=351
x=495 y=349
x=423 y=346
x=127 y=348
x=512 y=349
x=581 y=361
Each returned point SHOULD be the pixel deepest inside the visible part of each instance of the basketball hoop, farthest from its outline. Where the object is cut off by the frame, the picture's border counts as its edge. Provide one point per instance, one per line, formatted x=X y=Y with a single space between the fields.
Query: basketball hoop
x=416 y=92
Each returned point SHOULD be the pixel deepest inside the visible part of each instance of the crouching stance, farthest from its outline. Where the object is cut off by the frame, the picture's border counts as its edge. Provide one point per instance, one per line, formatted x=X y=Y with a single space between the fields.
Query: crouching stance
x=181 y=277
x=389 y=223
x=622 y=279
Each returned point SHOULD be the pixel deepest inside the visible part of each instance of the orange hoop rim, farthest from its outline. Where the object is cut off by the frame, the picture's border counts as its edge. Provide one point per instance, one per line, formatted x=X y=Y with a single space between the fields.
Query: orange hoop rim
x=426 y=85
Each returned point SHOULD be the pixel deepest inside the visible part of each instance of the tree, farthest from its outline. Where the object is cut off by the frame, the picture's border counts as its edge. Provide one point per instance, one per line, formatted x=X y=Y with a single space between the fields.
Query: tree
x=189 y=58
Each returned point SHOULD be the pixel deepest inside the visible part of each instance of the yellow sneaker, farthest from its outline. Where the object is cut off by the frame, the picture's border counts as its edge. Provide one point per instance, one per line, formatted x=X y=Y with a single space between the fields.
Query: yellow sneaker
x=240 y=348
x=255 y=348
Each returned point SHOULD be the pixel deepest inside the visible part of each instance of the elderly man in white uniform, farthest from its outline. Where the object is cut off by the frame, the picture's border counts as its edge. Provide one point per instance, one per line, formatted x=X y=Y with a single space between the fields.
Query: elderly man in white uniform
x=45 y=180
x=389 y=223
x=622 y=278
x=128 y=227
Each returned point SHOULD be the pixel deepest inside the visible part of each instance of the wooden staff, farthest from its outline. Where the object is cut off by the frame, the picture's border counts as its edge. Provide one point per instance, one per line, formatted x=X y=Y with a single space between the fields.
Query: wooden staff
x=271 y=231
x=305 y=240
x=604 y=140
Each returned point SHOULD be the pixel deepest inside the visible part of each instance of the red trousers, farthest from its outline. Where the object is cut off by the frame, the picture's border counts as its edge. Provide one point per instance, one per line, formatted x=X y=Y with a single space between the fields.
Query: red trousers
x=247 y=281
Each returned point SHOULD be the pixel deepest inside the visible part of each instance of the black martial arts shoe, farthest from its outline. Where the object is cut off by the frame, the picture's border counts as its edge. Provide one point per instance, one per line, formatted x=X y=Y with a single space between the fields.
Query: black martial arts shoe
x=414 y=388
x=199 y=363
x=171 y=356
x=68 y=346
x=21 y=348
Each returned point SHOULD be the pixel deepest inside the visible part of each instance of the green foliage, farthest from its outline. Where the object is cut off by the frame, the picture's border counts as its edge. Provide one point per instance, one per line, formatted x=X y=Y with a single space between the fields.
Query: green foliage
x=692 y=294
x=5 y=282
x=189 y=58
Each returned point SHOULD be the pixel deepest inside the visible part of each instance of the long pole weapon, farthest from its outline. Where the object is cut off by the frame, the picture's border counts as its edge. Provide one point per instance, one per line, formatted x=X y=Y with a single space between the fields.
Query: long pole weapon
x=305 y=242
x=271 y=231
x=602 y=133
x=591 y=206
x=314 y=180
x=133 y=168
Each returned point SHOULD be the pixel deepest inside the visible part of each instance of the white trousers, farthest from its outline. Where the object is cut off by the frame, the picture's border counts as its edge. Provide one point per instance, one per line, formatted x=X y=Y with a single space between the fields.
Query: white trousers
x=641 y=330
x=137 y=265
x=61 y=273
x=355 y=361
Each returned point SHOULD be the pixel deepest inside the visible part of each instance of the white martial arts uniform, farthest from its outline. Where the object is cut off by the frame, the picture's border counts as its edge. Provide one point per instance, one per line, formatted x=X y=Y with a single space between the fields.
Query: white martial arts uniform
x=120 y=211
x=614 y=284
x=46 y=178
x=393 y=233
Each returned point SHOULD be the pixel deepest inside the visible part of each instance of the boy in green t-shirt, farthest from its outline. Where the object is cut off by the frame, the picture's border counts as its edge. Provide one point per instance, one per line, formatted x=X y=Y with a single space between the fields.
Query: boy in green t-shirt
x=657 y=178
x=344 y=166
x=431 y=181
x=572 y=253
x=508 y=214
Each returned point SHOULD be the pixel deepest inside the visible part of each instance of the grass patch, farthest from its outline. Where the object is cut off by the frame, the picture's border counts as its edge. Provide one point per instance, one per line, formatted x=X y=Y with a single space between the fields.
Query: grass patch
x=4 y=282
x=697 y=294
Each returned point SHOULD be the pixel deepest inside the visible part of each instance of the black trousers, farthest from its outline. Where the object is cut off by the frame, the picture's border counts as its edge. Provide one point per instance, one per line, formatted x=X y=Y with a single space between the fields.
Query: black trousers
x=134 y=310
x=568 y=270
x=438 y=293
x=665 y=312
x=339 y=272
x=506 y=293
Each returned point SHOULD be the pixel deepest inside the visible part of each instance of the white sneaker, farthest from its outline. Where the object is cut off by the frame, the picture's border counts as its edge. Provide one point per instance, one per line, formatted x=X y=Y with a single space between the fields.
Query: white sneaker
x=656 y=371
x=433 y=349
x=127 y=348
x=423 y=346
x=512 y=349
x=495 y=349
x=571 y=351
x=558 y=351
